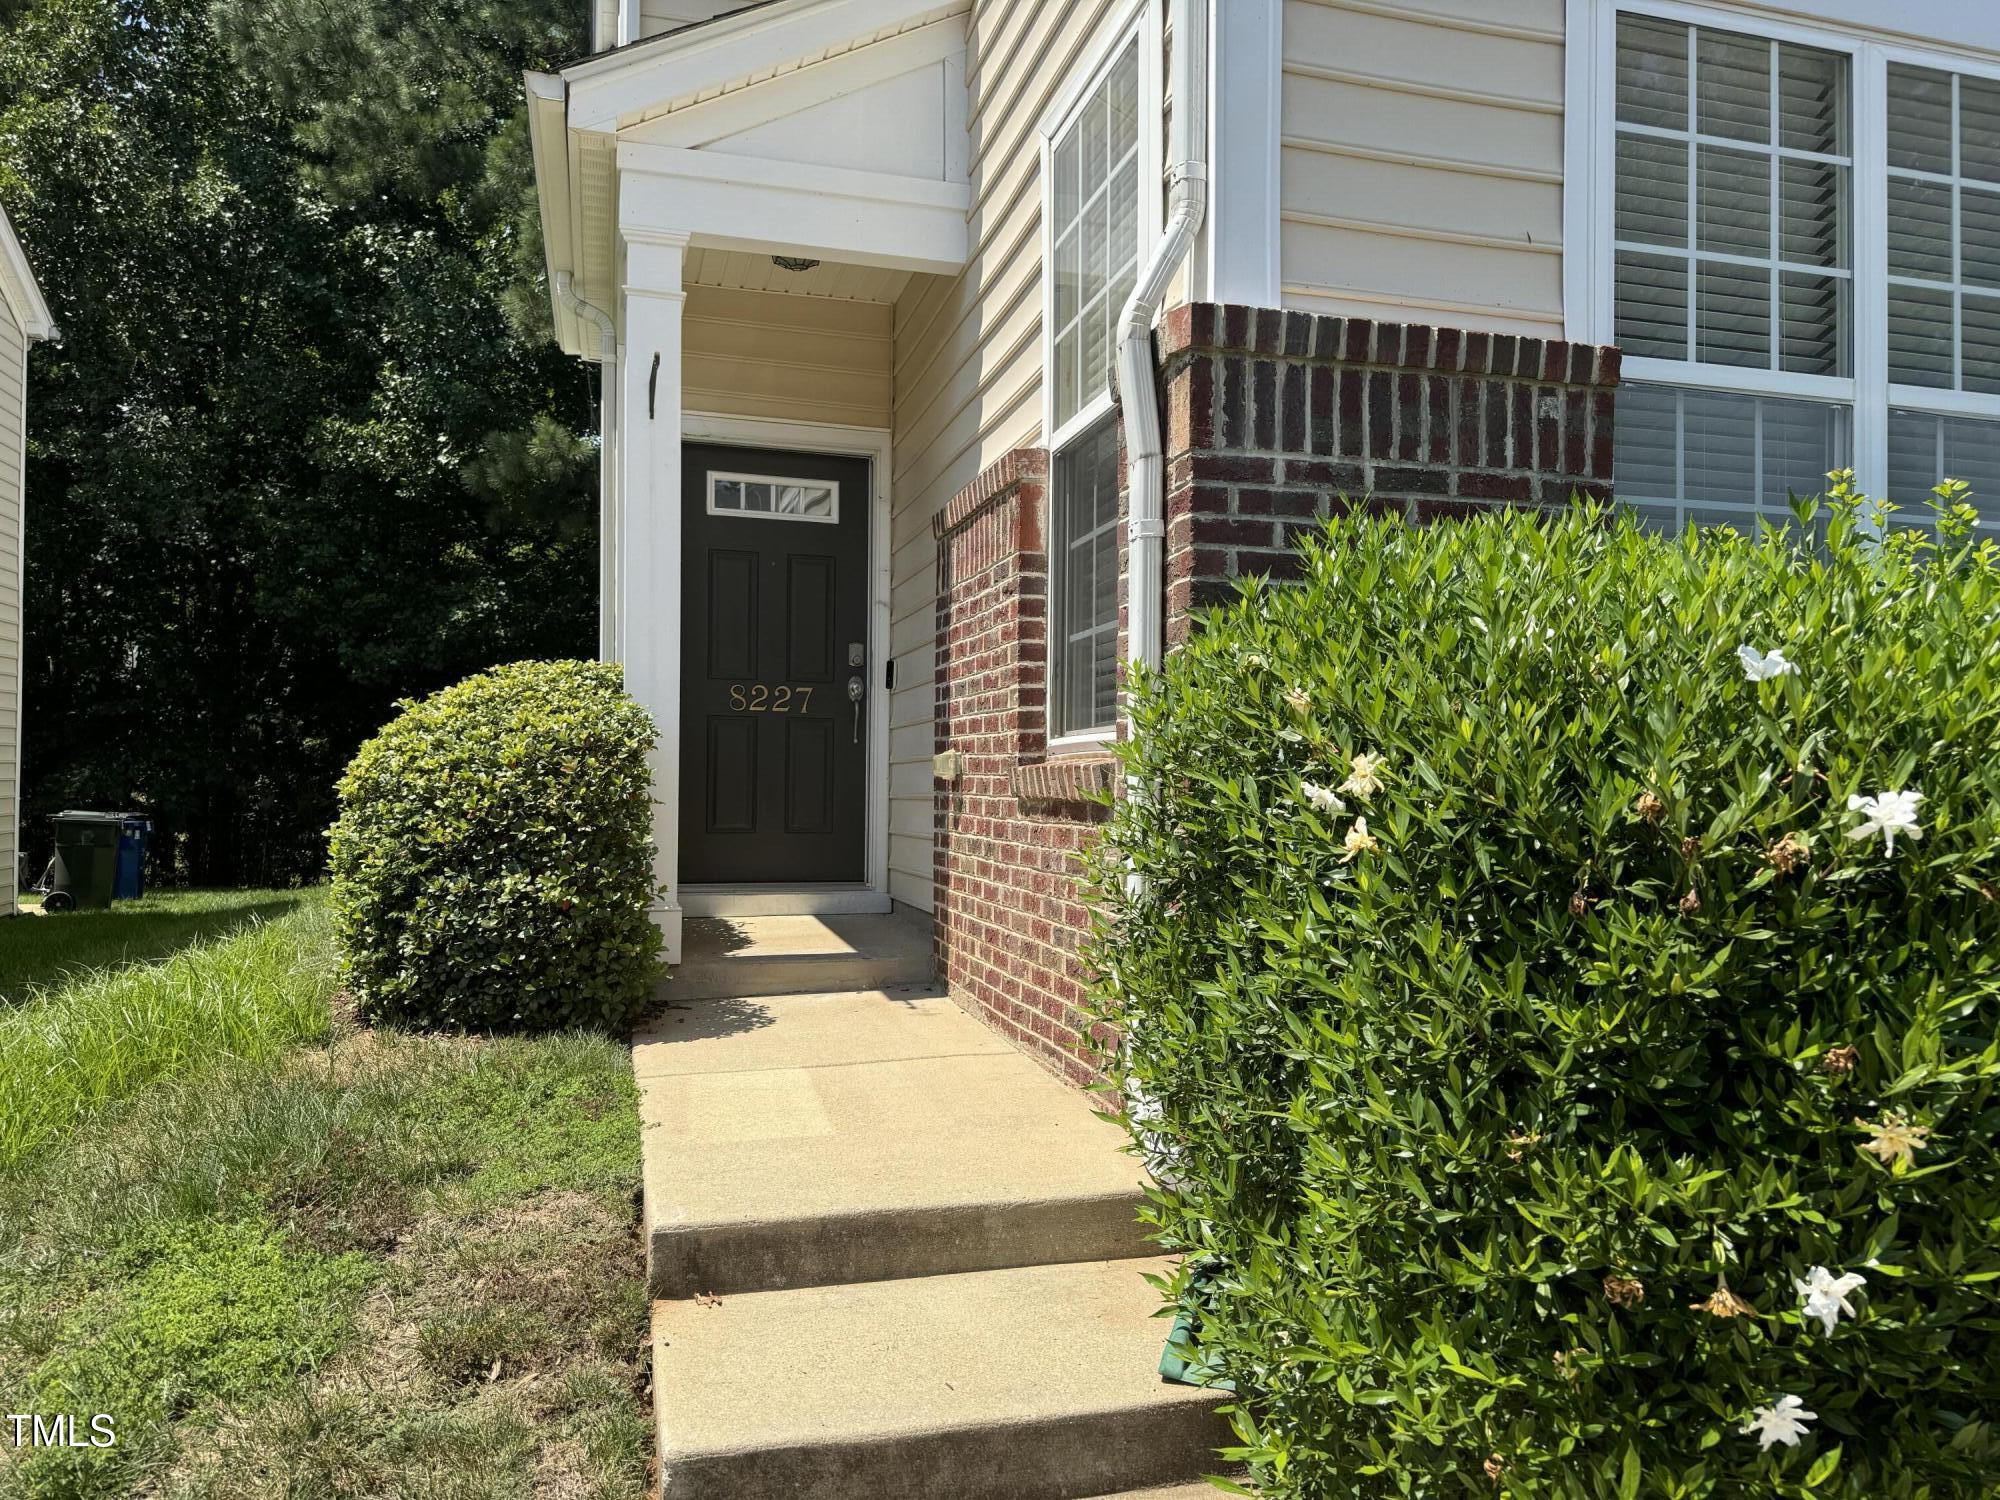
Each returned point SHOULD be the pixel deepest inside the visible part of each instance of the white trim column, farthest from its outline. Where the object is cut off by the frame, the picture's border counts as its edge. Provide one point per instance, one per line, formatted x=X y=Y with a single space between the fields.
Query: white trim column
x=1242 y=235
x=649 y=504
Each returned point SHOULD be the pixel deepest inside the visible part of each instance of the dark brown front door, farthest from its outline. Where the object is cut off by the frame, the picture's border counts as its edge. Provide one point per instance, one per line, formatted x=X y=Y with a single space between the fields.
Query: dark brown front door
x=775 y=675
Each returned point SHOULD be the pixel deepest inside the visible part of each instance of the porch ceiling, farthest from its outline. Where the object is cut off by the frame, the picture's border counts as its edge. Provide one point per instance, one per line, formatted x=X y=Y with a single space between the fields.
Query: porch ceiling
x=740 y=270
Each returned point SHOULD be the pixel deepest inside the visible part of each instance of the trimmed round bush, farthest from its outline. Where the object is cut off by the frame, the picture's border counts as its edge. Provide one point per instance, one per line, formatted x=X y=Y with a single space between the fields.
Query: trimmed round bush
x=1553 y=967
x=493 y=860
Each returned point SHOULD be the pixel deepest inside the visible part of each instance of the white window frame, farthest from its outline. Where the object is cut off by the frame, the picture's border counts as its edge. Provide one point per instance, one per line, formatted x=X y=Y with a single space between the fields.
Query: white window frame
x=1589 y=228
x=717 y=478
x=1144 y=20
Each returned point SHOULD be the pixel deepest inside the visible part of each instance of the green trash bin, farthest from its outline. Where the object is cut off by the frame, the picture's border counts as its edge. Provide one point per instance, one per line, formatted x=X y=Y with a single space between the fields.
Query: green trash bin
x=86 y=870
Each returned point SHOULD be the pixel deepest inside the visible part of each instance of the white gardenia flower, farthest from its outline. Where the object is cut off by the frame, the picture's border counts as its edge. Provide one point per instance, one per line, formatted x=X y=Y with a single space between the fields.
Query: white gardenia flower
x=1784 y=1421
x=1887 y=813
x=1325 y=798
x=1823 y=1295
x=1366 y=779
x=1359 y=841
x=1759 y=667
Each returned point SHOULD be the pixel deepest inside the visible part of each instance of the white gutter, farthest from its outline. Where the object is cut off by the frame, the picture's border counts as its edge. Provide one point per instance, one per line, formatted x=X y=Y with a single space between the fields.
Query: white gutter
x=1138 y=378
x=610 y=512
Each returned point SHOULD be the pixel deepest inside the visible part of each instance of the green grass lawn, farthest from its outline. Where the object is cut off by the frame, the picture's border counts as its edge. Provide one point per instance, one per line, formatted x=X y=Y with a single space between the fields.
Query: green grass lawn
x=37 y=951
x=295 y=1258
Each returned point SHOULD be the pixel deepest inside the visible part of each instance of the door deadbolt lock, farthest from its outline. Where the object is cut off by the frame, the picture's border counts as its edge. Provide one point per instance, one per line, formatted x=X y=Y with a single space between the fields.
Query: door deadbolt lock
x=857 y=654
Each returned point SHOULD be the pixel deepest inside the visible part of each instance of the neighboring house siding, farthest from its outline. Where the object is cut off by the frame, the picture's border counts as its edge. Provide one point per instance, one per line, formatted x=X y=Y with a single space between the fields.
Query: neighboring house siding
x=969 y=371
x=13 y=425
x=799 y=359
x=656 y=16
x=1422 y=162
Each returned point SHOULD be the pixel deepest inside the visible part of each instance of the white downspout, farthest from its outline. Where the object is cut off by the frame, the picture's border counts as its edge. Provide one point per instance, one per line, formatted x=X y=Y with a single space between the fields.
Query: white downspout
x=610 y=511
x=1138 y=379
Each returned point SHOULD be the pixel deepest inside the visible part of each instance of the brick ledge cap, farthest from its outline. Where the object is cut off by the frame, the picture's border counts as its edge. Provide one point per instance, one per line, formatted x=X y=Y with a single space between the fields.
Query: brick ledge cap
x=1067 y=779
x=1325 y=338
x=1005 y=474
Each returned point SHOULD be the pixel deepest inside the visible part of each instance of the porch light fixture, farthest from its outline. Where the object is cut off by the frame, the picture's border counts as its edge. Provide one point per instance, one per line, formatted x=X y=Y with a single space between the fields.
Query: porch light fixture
x=793 y=263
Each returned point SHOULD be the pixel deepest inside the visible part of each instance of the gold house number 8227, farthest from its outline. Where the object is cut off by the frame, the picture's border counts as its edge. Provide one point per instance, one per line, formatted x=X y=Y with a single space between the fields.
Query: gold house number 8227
x=762 y=698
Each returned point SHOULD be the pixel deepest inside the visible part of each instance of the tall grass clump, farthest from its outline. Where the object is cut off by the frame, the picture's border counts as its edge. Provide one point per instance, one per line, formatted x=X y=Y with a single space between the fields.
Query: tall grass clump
x=105 y=1034
x=1556 y=976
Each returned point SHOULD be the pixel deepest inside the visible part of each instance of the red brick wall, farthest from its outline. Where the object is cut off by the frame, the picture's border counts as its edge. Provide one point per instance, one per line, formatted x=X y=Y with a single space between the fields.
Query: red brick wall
x=1011 y=823
x=1274 y=421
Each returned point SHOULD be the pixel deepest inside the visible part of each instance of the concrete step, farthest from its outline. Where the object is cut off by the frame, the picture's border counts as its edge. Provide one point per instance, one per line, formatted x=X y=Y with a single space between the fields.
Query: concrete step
x=732 y=957
x=1036 y=1383
x=810 y=1140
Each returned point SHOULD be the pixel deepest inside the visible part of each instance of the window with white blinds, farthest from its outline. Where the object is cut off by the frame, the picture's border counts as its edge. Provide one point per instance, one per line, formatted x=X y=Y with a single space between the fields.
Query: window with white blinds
x=1762 y=349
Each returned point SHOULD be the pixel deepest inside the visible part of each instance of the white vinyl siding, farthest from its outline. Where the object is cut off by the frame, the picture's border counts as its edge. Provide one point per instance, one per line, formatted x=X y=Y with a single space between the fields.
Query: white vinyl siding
x=13 y=429
x=969 y=363
x=1421 y=172
x=796 y=359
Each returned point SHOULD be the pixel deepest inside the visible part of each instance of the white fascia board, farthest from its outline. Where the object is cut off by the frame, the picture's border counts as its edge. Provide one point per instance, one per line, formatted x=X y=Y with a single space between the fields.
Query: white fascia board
x=548 y=136
x=834 y=213
x=24 y=295
x=788 y=94
x=620 y=87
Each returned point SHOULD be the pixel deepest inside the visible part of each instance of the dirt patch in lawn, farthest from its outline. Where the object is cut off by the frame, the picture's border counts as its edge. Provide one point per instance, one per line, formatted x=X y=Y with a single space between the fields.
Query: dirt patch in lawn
x=501 y=1354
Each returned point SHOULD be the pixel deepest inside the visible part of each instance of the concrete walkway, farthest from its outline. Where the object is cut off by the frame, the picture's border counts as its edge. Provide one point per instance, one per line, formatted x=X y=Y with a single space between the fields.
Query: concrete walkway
x=893 y=1257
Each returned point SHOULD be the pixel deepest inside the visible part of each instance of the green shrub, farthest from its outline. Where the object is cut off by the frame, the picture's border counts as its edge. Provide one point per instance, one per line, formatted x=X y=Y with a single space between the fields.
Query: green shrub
x=1495 y=1099
x=493 y=861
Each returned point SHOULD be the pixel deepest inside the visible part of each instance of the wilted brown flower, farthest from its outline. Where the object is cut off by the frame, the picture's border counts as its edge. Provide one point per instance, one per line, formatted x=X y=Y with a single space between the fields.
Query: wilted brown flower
x=1723 y=1303
x=1624 y=1291
x=1651 y=808
x=1579 y=904
x=1690 y=847
x=1788 y=853
x=1840 y=1060
x=1495 y=1467
x=1519 y=1144
x=1690 y=903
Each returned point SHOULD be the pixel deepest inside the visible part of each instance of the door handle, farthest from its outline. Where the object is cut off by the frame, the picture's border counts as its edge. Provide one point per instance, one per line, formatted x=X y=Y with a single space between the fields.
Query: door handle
x=856 y=691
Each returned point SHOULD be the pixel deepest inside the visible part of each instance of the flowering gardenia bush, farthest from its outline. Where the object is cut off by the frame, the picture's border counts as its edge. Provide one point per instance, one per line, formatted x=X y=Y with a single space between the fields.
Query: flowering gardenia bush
x=1553 y=966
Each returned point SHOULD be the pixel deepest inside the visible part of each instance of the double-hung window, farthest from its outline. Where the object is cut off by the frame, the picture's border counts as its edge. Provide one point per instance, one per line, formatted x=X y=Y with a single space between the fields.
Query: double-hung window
x=1097 y=160
x=1803 y=265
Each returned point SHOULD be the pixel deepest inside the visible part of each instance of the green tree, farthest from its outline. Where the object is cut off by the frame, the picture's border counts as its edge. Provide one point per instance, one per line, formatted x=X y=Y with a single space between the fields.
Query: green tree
x=306 y=447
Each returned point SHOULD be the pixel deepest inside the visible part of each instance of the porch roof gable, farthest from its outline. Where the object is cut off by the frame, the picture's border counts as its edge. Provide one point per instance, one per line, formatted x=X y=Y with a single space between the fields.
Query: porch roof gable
x=831 y=129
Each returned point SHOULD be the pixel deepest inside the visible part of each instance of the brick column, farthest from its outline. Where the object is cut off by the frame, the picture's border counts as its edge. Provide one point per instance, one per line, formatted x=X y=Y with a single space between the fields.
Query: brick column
x=1010 y=823
x=1276 y=420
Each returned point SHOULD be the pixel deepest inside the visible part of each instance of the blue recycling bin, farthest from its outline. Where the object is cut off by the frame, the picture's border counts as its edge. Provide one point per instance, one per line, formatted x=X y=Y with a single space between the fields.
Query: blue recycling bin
x=134 y=834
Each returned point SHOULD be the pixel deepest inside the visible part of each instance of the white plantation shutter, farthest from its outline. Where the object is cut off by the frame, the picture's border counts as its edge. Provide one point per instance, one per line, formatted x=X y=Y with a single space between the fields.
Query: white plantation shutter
x=1732 y=252
x=1765 y=168
x=1693 y=457
x=1734 y=278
